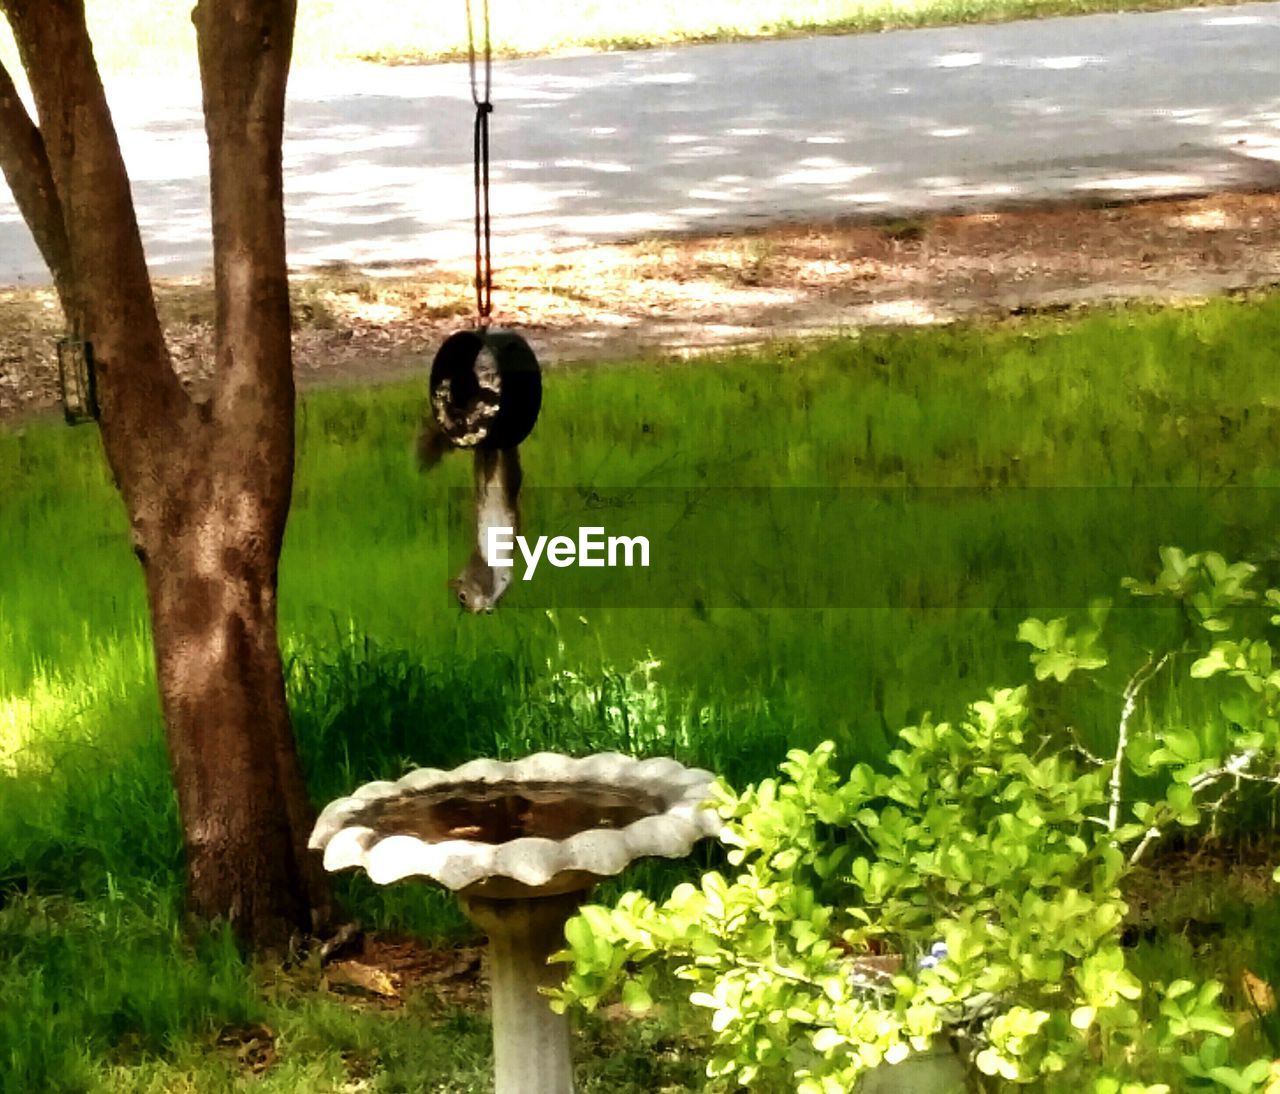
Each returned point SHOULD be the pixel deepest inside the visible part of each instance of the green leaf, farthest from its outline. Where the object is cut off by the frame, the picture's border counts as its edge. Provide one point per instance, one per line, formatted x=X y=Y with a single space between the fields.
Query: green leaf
x=1183 y=743
x=636 y=997
x=1057 y=664
x=1035 y=633
x=1212 y=663
x=827 y=1039
x=1232 y=1080
x=1082 y=1017
x=1258 y=1071
x=581 y=940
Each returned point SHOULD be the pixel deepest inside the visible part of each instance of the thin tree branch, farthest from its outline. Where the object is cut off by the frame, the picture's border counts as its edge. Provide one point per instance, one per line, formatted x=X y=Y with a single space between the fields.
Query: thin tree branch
x=1236 y=768
x=245 y=48
x=1149 y=837
x=1137 y=682
x=25 y=165
x=145 y=412
x=1077 y=745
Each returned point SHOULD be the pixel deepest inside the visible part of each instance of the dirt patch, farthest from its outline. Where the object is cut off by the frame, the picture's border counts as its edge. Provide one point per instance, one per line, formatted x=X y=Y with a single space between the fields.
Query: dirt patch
x=685 y=295
x=1193 y=890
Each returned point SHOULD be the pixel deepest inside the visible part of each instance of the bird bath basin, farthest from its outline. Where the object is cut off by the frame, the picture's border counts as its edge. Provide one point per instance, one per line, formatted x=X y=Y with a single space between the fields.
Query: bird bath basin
x=521 y=844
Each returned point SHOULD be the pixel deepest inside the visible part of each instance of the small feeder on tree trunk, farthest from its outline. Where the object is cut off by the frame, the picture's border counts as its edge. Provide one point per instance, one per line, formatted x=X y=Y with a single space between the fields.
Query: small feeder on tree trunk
x=77 y=383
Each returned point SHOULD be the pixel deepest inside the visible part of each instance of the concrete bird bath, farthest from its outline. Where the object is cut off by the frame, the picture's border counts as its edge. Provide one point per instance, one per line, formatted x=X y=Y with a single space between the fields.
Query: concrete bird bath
x=521 y=844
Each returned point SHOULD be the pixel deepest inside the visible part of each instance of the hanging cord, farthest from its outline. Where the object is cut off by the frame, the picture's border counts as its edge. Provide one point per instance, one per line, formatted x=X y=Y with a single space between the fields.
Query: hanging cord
x=480 y=96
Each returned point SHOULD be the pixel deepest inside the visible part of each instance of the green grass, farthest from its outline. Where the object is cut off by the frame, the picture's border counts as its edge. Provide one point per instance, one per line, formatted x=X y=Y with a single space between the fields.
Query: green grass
x=115 y=995
x=144 y=35
x=1003 y=471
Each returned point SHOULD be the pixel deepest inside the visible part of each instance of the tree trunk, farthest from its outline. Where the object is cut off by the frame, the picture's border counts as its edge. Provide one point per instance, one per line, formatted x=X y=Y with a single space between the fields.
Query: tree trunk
x=206 y=485
x=240 y=791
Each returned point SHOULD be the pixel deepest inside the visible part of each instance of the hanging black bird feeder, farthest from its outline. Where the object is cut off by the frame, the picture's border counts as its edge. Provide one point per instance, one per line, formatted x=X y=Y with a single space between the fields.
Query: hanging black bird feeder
x=77 y=382
x=486 y=389
x=486 y=385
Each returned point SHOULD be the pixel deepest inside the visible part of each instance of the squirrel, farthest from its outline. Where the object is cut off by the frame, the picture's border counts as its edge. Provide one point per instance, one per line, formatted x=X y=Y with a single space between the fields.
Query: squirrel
x=497 y=478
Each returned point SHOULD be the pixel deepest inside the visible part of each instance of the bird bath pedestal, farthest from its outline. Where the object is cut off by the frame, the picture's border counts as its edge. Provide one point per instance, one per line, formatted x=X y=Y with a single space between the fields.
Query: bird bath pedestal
x=521 y=844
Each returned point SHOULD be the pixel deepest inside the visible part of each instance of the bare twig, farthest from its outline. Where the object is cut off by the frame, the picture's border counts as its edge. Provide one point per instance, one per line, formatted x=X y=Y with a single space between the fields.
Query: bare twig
x=1137 y=682
x=1149 y=837
x=1076 y=745
x=1234 y=768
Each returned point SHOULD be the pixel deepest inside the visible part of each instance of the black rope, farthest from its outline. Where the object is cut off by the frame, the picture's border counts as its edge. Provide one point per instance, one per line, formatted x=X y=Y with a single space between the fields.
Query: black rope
x=480 y=96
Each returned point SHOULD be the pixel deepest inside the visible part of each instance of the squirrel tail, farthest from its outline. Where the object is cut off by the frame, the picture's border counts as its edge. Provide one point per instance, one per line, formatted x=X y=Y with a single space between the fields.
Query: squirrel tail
x=432 y=445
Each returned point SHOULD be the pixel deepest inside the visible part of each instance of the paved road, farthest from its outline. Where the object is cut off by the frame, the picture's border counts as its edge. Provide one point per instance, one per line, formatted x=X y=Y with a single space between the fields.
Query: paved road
x=636 y=144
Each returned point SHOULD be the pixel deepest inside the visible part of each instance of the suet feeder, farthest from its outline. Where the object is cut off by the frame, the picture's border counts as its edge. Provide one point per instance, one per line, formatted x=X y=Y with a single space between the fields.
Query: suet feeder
x=486 y=389
x=76 y=381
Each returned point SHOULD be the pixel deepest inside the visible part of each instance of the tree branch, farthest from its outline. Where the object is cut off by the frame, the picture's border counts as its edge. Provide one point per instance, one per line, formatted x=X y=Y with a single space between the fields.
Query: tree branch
x=1148 y=838
x=145 y=412
x=1235 y=767
x=25 y=165
x=1137 y=682
x=245 y=48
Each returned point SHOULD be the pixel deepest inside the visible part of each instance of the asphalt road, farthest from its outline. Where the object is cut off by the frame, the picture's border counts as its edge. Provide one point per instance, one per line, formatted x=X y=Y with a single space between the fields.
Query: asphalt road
x=627 y=145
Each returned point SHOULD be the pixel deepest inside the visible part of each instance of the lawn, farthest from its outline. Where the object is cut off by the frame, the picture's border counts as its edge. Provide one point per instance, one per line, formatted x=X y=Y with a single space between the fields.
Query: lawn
x=142 y=35
x=873 y=518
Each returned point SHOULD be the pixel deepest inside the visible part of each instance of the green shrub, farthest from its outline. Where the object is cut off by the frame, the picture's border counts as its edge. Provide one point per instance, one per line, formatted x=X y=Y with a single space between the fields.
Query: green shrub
x=973 y=890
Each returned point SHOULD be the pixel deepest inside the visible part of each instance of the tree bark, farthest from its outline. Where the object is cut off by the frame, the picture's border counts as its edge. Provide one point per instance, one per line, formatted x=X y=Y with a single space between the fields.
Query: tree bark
x=240 y=791
x=26 y=169
x=206 y=486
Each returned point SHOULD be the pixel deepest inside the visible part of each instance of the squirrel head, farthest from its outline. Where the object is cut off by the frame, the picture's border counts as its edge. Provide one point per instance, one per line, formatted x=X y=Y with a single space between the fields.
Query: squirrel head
x=479 y=588
x=471 y=597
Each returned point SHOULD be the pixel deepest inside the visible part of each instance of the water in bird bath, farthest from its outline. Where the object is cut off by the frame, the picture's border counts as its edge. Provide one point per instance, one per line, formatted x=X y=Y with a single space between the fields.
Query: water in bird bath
x=500 y=812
